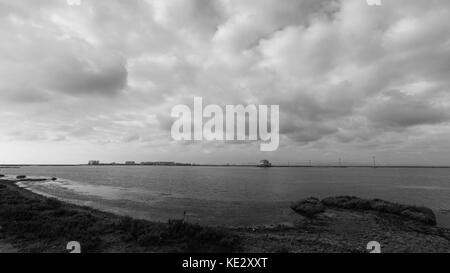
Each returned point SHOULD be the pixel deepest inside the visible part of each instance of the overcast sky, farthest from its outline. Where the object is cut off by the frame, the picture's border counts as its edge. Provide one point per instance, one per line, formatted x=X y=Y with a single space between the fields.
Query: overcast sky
x=98 y=81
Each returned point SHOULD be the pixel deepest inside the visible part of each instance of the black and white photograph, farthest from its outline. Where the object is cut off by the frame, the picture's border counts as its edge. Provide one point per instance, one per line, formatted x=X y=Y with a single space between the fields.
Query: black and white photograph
x=243 y=127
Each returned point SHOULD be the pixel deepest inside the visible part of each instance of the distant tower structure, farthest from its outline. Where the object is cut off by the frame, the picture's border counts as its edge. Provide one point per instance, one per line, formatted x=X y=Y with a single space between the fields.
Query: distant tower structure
x=374 y=161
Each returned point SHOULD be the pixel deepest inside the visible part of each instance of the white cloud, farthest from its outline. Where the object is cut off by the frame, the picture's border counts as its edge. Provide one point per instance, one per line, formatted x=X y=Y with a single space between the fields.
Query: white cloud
x=348 y=77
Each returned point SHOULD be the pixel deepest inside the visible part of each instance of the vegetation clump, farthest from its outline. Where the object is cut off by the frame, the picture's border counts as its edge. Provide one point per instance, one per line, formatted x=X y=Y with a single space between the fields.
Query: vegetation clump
x=420 y=214
x=312 y=207
x=309 y=208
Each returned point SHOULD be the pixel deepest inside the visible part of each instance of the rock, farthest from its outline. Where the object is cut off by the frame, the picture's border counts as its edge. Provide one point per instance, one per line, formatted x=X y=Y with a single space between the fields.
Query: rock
x=384 y=206
x=23 y=178
x=34 y=180
x=309 y=207
x=2 y=175
x=347 y=202
x=420 y=214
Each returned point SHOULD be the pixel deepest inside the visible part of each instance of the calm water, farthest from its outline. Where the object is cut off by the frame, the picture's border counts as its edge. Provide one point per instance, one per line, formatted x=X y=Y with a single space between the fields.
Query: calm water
x=234 y=195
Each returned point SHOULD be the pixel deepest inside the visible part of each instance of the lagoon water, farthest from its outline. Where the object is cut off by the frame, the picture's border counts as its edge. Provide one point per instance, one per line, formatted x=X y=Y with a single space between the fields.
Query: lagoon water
x=233 y=196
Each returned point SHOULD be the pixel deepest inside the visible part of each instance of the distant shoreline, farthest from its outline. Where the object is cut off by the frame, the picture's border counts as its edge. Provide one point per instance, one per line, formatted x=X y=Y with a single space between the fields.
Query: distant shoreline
x=9 y=166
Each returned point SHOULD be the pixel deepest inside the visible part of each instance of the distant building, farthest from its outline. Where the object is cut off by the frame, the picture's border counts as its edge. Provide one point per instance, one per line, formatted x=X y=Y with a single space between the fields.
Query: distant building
x=164 y=163
x=264 y=163
x=147 y=163
x=130 y=163
x=94 y=162
x=183 y=164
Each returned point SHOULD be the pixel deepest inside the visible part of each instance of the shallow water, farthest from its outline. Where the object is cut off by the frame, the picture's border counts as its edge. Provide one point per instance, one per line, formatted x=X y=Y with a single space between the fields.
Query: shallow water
x=233 y=195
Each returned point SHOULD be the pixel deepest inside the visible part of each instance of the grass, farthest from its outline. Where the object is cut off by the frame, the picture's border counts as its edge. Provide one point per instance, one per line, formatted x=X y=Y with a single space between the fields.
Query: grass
x=47 y=223
x=190 y=237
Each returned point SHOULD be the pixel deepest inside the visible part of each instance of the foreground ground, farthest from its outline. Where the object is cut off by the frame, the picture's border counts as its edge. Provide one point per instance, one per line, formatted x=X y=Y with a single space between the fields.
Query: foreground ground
x=32 y=223
x=348 y=231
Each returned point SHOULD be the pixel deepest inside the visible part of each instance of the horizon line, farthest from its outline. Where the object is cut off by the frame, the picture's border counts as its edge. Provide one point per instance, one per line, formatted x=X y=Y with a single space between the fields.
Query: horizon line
x=179 y=164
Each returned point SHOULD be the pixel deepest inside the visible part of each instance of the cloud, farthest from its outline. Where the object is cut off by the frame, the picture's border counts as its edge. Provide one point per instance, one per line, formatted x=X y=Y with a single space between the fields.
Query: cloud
x=346 y=75
x=131 y=138
x=396 y=109
x=105 y=75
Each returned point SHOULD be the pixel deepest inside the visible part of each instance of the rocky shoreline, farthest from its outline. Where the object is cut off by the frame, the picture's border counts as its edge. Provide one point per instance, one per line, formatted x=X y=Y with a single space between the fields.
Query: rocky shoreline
x=33 y=223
